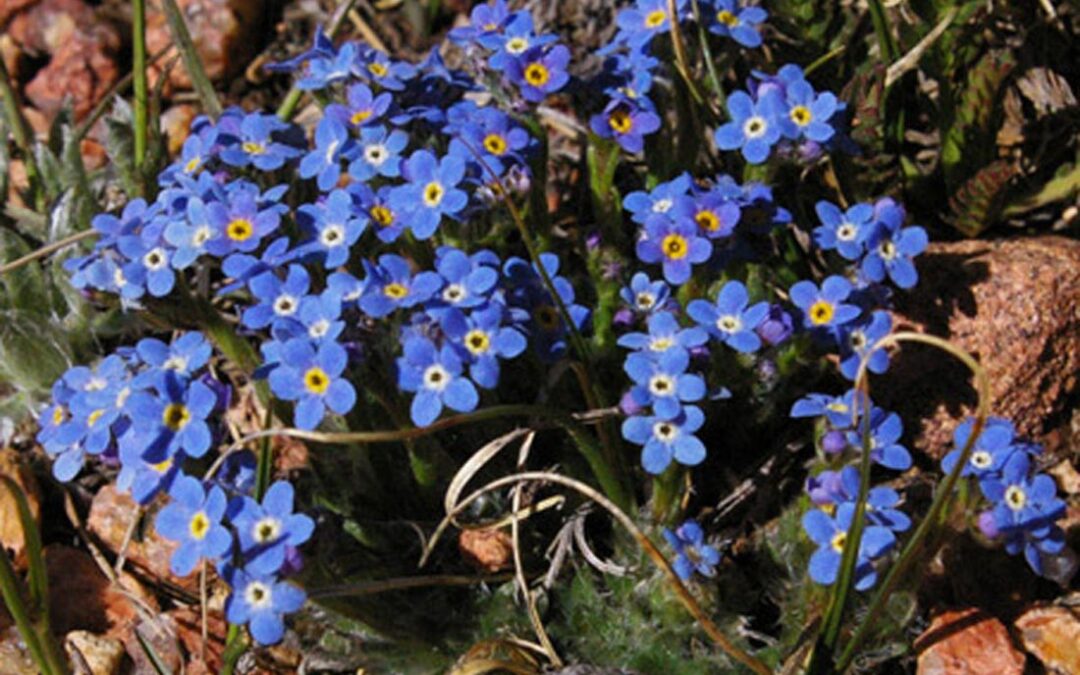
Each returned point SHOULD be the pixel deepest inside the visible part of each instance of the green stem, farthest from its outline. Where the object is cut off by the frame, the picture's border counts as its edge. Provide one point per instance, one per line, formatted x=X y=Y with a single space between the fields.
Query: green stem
x=199 y=80
x=889 y=52
x=138 y=67
x=944 y=494
x=234 y=649
x=264 y=470
x=24 y=137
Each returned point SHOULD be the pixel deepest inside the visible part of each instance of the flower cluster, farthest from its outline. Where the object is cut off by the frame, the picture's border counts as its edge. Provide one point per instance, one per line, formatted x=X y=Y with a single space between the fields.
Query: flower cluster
x=150 y=409
x=692 y=554
x=1023 y=505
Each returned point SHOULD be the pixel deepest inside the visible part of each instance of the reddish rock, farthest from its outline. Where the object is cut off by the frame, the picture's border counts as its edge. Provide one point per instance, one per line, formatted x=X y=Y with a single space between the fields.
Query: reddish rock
x=188 y=624
x=1052 y=634
x=101 y=655
x=9 y=8
x=160 y=634
x=82 y=598
x=83 y=69
x=48 y=24
x=487 y=550
x=967 y=642
x=176 y=124
x=110 y=517
x=225 y=33
x=1014 y=304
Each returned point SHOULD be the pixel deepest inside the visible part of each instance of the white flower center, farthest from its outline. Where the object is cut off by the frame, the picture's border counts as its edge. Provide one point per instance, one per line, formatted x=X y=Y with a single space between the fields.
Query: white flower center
x=662 y=385
x=266 y=530
x=319 y=329
x=981 y=459
x=332 y=235
x=846 y=232
x=729 y=323
x=436 y=377
x=454 y=293
x=257 y=595
x=645 y=300
x=155 y=259
x=285 y=305
x=376 y=154
x=201 y=235
x=662 y=205
x=665 y=431
x=755 y=127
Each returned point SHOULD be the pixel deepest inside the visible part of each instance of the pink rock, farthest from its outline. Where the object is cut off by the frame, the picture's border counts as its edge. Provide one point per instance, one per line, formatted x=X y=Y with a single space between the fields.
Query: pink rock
x=967 y=642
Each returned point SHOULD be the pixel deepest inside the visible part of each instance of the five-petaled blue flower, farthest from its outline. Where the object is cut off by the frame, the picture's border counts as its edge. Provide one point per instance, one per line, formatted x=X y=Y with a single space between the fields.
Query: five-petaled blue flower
x=663 y=382
x=193 y=518
x=666 y=439
x=265 y=530
x=175 y=419
x=692 y=554
x=540 y=72
x=732 y=320
x=625 y=121
x=311 y=376
x=824 y=308
x=391 y=285
x=332 y=141
x=645 y=295
x=843 y=231
x=430 y=192
x=261 y=601
x=830 y=534
x=754 y=127
x=675 y=244
x=435 y=375
x=481 y=340
x=729 y=19
x=664 y=333
x=335 y=225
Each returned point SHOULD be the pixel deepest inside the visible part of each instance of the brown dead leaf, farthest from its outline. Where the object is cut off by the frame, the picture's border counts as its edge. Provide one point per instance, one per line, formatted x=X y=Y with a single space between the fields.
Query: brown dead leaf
x=487 y=550
x=11 y=532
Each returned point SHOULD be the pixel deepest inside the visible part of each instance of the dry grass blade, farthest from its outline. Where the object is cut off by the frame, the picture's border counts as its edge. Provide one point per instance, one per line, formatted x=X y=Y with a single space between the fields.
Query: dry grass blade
x=908 y=61
x=199 y=80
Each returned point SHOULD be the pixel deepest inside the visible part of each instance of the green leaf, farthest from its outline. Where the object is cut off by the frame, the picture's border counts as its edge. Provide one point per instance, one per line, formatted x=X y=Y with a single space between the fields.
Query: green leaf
x=968 y=140
x=33 y=352
x=24 y=289
x=120 y=145
x=978 y=203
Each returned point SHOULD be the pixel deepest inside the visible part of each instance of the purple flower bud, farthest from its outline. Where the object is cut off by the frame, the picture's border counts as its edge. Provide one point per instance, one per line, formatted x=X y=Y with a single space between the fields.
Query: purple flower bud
x=593 y=240
x=833 y=442
x=810 y=151
x=629 y=406
x=623 y=320
x=700 y=353
x=518 y=180
x=294 y=561
x=777 y=327
x=824 y=487
x=987 y=524
x=221 y=390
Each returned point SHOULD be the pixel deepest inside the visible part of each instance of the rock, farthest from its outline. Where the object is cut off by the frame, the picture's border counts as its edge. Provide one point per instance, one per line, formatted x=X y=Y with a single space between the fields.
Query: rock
x=46 y=25
x=102 y=655
x=110 y=517
x=159 y=634
x=81 y=597
x=176 y=124
x=225 y=33
x=487 y=550
x=188 y=624
x=1014 y=304
x=1052 y=634
x=11 y=530
x=967 y=642
x=83 y=68
x=14 y=657
x=9 y=8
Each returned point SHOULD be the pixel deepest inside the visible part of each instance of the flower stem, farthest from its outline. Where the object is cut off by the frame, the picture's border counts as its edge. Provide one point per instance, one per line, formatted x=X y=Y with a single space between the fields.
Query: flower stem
x=138 y=67
x=24 y=137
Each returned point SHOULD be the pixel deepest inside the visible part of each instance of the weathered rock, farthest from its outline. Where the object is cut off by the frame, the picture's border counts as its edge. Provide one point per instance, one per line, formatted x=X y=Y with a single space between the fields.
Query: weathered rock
x=14 y=657
x=83 y=69
x=1052 y=634
x=488 y=550
x=9 y=8
x=159 y=634
x=967 y=642
x=102 y=655
x=109 y=520
x=176 y=124
x=1014 y=304
x=225 y=33
x=43 y=27
x=11 y=530
x=81 y=597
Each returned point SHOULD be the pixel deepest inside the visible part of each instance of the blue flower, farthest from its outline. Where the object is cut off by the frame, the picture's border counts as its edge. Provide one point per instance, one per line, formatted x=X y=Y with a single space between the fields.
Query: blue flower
x=692 y=554
x=335 y=224
x=184 y=356
x=362 y=107
x=891 y=249
x=886 y=428
x=149 y=267
x=430 y=192
x=240 y=224
x=856 y=340
x=715 y=213
x=384 y=71
x=830 y=534
x=990 y=452
x=481 y=340
x=732 y=320
x=193 y=518
x=625 y=121
x=729 y=19
x=661 y=200
x=435 y=375
x=468 y=282
x=278 y=302
x=379 y=153
x=667 y=439
x=320 y=315
x=824 y=308
x=312 y=377
x=492 y=133
x=663 y=382
x=143 y=479
x=1023 y=501
x=391 y=285
x=527 y=292
x=321 y=46
x=808 y=112
x=646 y=19
x=257 y=144
x=881 y=500
x=326 y=69
x=485 y=19
x=261 y=601
x=754 y=127
x=386 y=221
x=332 y=142
x=516 y=38
x=839 y=410
x=675 y=244
x=664 y=334
x=265 y=530
x=174 y=419
x=189 y=235
x=645 y=295
x=843 y=231
x=538 y=72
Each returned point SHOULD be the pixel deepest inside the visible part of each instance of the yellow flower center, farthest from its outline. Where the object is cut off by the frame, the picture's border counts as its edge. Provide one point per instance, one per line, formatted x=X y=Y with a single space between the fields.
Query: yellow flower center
x=316 y=380
x=382 y=215
x=377 y=69
x=495 y=144
x=199 y=525
x=800 y=115
x=93 y=417
x=821 y=312
x=707 y=221
x=163 y=466
x=1015 y=497
x=59 y=414
x=727 y=18
x=395 y=291
x=674 y=246
x=620 y=121
x=655 y=18
x=537 y=74
x=240 y=229
x=433 y=194
x=175 y=416
x=360 y=116
x=477 y=342
x=253 y=148
x=838 y=541
x=661 y=344
x=192 y=165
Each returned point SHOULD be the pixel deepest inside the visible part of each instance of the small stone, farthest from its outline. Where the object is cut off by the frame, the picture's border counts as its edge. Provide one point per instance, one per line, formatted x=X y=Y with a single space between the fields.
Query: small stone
x=9 y=8
x=488 y=550
x=102 y=655
x=43 y=27
x=967 y=642
x=1052 y=634
x=14 y=467
x=1015 y=305
x=225 y=33
x=159 y=635
x=176 y=124
x=110 y=517
x=83 y=69
x=14 y=657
